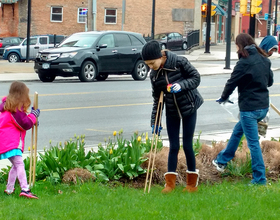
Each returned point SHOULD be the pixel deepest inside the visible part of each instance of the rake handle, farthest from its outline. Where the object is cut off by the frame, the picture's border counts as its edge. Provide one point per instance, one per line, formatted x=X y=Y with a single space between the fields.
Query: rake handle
x=158 y=119
x=33 y=153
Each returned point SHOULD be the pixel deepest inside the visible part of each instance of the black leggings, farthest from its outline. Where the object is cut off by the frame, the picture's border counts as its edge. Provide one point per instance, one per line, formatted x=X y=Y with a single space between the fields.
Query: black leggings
x=173 y=131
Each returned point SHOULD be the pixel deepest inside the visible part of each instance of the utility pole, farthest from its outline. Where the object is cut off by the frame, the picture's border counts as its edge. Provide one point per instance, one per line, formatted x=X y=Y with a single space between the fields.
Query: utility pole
x=275 y=21
x=208 y=26
x=90 y=16
x=123 y=12
x=228 y=34
x=269 y=17
x=28 y=30
x=252 y=25
x=153 y=19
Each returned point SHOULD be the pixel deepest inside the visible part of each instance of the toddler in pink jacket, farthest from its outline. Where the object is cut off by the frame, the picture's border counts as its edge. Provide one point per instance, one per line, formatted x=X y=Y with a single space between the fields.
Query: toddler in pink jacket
x=14 y=121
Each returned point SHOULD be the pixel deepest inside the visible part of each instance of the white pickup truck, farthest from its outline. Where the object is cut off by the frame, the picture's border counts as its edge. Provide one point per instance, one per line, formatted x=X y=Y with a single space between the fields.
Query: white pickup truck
x=37 y=43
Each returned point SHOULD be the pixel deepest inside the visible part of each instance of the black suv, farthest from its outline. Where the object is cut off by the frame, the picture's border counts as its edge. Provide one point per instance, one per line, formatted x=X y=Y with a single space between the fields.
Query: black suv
x=93 y=55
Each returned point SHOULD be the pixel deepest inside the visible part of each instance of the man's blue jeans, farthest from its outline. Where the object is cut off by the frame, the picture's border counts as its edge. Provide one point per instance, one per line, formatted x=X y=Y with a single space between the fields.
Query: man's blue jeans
x=248 y=125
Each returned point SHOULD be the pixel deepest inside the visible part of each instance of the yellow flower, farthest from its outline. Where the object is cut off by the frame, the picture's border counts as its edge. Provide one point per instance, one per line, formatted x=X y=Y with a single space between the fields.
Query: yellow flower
x=115 y=133
x=78 y=137
x=60 y=144
x=139 y=138
x=111 y=151
x=83 y=140
x=29 y=148
x=147 y=137
x=50 y=141
x=70 y=139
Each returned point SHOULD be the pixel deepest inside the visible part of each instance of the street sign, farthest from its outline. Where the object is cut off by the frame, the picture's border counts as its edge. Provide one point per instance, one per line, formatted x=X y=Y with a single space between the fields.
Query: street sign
x=266 y=16
x=278 y=27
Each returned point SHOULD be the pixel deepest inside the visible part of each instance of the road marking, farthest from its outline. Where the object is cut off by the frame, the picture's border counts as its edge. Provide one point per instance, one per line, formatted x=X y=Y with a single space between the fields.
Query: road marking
x=86 y=93
x=104 y=131
x=91 y=107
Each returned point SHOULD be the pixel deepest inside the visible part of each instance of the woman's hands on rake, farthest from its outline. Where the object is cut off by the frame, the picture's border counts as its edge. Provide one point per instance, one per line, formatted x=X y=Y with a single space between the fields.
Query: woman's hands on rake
x=157 y=130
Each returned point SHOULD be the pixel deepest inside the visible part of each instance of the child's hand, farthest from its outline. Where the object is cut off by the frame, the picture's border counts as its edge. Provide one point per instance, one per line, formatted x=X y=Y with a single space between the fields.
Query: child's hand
x=35 y=112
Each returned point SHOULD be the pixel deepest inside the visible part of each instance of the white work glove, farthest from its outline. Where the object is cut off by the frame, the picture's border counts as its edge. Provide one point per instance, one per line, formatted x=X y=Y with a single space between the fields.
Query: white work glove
x=175 y=88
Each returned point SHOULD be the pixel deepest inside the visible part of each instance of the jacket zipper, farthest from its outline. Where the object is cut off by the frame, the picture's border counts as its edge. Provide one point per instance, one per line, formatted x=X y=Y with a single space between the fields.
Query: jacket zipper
x=180 y=115
x=191 y=100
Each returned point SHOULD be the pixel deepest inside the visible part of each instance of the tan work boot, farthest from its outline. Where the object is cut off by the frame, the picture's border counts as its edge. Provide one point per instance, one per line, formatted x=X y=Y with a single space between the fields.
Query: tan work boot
x=170 y=179
x=192 y=181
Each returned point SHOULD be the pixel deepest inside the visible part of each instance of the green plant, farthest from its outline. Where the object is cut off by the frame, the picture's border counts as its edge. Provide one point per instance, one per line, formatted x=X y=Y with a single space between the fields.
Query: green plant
x=197 y=145
x=122 y=158
x=240 y=145
x=274 y=139
x=55 y=161
x=148 y=142
x=239 y=168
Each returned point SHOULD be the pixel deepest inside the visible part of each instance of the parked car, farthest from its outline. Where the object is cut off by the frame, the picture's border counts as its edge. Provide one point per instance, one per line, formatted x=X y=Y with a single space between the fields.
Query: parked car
x=94 y=55
x=37 y=43
x=172 y=40
x=9 y=41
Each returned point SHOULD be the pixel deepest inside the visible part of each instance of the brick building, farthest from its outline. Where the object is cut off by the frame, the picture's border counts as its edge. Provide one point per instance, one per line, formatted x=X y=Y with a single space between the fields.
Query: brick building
x=65 y=17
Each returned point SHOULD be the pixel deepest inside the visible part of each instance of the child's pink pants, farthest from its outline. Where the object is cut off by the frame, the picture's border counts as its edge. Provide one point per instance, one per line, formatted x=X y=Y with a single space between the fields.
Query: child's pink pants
x=17 y=171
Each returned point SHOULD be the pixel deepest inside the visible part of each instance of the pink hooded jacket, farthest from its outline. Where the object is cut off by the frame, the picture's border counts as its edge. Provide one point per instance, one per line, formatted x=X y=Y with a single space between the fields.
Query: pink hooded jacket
x=13 y=128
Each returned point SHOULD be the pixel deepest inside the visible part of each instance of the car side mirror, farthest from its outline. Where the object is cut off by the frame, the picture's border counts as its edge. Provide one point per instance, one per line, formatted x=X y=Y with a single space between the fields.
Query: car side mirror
x=101 y=46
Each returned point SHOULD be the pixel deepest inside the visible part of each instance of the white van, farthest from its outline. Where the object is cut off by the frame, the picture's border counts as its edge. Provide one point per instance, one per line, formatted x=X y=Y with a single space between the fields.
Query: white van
x=37 y=43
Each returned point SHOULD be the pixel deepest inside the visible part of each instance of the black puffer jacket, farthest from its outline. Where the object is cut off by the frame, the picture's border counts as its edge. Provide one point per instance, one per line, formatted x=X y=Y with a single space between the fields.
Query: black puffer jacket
x=252 y=75
x=177 y=69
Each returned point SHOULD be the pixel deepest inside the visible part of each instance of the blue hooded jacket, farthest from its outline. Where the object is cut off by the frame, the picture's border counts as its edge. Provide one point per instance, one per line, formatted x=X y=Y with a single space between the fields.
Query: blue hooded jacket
x=268 y=43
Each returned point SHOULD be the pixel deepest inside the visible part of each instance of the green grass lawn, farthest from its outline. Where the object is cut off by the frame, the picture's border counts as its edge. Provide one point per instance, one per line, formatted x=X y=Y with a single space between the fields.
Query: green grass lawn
x=98 y=201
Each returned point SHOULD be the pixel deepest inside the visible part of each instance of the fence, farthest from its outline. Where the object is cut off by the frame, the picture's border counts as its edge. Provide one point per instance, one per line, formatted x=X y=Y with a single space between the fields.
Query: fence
x=192 y=38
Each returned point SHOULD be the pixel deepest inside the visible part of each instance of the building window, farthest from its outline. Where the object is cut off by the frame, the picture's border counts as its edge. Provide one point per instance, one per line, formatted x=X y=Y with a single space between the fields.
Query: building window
x=110 y=16
x=56 y=14
x=82 y=15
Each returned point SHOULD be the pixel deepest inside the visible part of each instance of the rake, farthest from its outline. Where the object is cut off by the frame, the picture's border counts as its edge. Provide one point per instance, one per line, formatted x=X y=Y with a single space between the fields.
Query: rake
x=33 y=153
x=149 y=174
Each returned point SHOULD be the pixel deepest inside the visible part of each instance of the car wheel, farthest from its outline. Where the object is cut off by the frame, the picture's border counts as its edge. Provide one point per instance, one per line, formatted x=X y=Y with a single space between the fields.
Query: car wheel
x=102 y=77
x=88 y=72
x=140 y=71
x=46 y=78
x=163 y=46
x=184 y=46
x=13 y=58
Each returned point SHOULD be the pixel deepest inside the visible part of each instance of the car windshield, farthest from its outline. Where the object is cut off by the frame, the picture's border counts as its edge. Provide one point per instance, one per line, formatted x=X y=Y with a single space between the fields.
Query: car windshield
x=160 y=37
x=84 y=41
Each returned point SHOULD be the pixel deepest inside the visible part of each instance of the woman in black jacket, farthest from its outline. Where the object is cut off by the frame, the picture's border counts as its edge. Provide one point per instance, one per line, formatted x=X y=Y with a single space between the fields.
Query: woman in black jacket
x=252 y=76
x=178 y=79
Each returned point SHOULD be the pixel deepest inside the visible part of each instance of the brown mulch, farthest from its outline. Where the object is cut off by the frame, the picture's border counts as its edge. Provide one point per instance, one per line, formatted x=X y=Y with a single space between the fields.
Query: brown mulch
x=207 y=172
x=77 y=175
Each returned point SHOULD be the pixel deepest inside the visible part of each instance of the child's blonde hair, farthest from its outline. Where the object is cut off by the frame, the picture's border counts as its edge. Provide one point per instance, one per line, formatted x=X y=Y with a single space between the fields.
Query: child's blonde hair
x=18 y=98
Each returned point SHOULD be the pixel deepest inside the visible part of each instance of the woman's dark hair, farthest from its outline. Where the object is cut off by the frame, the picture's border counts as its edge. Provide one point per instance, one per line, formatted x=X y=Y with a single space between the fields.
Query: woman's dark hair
x=242 y=40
